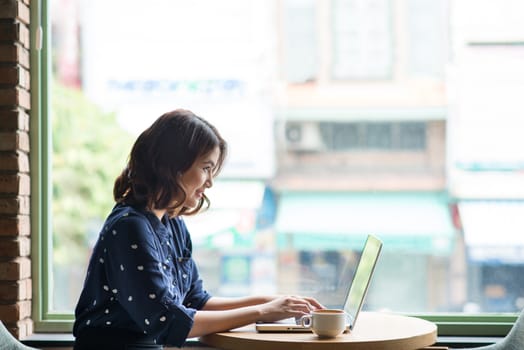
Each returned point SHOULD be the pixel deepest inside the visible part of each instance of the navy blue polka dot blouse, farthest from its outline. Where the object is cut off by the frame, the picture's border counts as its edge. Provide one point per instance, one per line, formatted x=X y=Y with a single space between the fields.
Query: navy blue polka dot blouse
x=141 y=278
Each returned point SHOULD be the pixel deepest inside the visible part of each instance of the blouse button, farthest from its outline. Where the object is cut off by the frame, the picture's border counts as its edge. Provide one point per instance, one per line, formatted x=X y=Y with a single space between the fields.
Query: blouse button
x=184 y=276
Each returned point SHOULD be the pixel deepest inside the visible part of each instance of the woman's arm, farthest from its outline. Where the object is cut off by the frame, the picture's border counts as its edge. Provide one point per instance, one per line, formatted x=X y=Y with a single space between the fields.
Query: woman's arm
x=218 y=303
x=217 y=315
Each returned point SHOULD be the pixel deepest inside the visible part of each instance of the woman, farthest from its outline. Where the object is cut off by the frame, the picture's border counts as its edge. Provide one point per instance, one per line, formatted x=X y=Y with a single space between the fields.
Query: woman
x=142 y=286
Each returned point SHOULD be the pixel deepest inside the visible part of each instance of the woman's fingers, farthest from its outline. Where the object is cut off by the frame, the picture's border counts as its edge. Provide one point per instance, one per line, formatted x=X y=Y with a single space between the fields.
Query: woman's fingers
x=302 y=305
x=315 y=303
x=290 y=306
x=312 y=303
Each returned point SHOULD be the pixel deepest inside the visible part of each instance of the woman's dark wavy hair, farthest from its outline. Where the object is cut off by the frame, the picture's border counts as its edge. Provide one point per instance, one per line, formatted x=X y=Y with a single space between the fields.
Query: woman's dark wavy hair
x=160 y=155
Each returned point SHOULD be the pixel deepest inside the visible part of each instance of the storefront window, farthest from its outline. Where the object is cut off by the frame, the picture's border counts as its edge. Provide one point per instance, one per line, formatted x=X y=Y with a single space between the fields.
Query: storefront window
x=330 y=140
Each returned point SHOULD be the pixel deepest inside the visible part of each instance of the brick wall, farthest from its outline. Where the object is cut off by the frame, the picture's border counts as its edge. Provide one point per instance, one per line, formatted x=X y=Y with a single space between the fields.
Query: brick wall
x=15 y=262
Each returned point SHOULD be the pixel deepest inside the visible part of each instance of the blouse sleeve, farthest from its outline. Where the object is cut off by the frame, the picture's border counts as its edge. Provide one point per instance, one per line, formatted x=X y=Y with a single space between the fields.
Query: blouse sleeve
x=134 y=270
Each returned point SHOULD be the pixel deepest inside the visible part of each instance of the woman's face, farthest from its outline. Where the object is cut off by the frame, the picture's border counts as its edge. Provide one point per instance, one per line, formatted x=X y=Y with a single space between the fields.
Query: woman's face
x=199 y=177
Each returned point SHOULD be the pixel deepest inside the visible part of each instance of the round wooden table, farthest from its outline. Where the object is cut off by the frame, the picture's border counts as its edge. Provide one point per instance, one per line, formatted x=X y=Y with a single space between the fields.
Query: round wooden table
x=373 y=330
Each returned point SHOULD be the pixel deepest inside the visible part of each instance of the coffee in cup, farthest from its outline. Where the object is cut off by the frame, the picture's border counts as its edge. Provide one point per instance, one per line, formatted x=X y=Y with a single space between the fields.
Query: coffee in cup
x=326 y=323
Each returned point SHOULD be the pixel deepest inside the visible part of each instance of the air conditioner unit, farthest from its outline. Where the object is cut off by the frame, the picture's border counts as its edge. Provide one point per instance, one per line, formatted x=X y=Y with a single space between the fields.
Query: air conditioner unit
x=303 y=136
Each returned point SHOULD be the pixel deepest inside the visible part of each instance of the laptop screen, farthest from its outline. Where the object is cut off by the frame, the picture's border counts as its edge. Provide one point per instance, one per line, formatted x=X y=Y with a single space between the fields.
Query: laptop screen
x=362 y=277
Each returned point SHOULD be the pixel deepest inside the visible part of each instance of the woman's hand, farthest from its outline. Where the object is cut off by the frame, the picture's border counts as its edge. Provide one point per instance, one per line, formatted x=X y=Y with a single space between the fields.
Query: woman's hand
x=288 y=306
x=220 y=314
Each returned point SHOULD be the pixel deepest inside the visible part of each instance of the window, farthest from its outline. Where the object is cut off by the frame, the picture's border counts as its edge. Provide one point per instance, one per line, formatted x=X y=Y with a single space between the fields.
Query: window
x=362 y=39
x=340 y=136
x=427 y=45
x=307 y=177
x=352 y=37
x=367 y=136
x=411 y=136
x=301 y=58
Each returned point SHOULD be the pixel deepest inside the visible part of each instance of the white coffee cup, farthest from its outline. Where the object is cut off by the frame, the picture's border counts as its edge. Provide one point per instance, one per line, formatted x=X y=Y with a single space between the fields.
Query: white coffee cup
x=326 y=323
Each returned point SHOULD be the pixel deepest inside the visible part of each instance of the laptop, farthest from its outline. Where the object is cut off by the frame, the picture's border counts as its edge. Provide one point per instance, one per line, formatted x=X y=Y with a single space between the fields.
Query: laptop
x=355 y=292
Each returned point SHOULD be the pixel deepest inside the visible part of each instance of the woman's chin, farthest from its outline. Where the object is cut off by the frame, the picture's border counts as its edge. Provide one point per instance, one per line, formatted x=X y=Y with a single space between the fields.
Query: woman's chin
x=191 y=204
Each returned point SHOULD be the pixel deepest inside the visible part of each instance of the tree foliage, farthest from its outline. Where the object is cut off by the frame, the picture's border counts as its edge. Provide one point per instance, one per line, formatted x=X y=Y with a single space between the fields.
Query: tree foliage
x=89 y=151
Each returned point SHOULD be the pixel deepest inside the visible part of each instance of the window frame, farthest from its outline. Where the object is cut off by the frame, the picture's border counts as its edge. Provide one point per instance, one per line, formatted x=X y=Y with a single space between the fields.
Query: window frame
x=44 y=320
x=449 y=324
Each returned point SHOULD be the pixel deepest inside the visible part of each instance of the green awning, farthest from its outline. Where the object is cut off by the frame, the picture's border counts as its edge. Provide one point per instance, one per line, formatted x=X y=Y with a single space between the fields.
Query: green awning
x=419 y=222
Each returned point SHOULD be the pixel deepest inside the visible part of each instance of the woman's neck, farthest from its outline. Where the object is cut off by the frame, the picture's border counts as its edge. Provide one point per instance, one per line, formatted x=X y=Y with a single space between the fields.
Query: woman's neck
x=159 y=213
